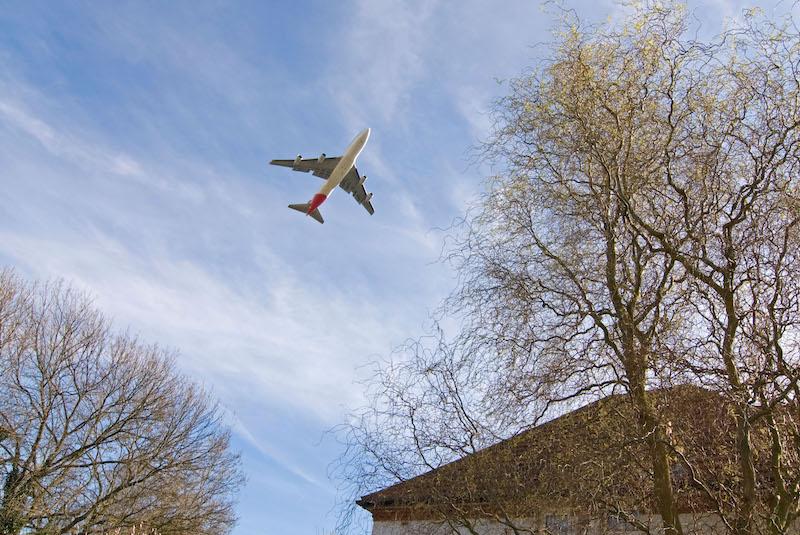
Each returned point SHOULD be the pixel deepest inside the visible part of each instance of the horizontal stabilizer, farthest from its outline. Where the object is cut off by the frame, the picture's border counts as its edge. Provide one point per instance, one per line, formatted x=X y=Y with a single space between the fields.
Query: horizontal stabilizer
x=304 y=208
x=300 y=207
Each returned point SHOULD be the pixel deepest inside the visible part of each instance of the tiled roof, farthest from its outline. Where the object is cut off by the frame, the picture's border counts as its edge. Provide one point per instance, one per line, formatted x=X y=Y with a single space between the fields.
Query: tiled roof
x=581 y=460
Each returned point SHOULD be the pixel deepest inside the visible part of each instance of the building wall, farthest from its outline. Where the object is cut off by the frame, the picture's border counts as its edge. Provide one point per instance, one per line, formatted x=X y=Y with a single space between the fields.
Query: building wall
x=416 y=527
x=698 y=524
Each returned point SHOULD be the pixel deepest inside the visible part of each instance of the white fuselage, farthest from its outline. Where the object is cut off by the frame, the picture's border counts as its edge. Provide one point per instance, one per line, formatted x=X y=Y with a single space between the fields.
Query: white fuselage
x=346 y=163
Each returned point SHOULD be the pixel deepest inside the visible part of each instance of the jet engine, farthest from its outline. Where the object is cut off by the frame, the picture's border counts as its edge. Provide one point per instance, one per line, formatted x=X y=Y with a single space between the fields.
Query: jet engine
x=363 y=179
x=321 y=158
x=297 y=160
x=369 y=198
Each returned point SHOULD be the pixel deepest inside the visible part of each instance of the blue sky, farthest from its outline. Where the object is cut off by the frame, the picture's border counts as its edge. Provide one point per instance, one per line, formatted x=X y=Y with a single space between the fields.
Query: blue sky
x=134 y=138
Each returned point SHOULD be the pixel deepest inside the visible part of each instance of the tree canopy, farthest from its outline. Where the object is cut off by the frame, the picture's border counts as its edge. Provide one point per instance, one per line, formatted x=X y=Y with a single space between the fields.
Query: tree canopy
x=98 y=431
x=641 y=233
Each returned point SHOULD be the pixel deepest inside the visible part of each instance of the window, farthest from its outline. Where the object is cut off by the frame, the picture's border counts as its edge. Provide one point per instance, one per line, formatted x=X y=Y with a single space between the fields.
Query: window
x=557 y=524
x=617 y=522
x=679 y=474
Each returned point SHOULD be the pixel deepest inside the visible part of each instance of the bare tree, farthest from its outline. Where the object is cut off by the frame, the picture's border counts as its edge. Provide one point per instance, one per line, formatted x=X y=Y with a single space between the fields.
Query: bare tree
x=97 y=430
x=642 y=233
x=721 y=201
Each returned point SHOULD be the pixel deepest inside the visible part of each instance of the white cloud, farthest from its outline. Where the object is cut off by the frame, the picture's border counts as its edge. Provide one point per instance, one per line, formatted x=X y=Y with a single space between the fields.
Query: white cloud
x=287 y=338
x=272 y=453
x=75 y=146
x=384 y=58
x=291 y=346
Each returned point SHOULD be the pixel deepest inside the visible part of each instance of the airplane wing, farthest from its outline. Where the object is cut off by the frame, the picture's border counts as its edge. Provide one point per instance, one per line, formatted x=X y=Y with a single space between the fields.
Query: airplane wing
x=316 y=166
x=353 y=184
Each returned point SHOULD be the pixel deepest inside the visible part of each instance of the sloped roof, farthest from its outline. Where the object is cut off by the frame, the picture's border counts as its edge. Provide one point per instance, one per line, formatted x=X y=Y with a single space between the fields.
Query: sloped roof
x=581 y=460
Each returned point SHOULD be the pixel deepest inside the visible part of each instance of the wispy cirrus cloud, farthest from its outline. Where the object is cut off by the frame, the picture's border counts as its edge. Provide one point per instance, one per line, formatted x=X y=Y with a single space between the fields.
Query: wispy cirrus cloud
x=385 y=56
x=276 y=341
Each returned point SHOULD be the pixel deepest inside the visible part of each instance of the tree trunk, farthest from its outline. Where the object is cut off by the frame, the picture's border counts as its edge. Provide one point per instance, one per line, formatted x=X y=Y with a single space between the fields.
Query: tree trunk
x=656 y=439
x=12 y=518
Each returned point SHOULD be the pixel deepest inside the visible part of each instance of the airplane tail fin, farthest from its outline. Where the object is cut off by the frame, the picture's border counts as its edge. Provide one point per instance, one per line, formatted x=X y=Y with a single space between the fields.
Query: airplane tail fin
x=304 y=208
x=316 y=215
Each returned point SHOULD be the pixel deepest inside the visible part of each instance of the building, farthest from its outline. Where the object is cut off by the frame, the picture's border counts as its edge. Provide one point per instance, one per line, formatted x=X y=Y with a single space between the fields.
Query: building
x=584 y=472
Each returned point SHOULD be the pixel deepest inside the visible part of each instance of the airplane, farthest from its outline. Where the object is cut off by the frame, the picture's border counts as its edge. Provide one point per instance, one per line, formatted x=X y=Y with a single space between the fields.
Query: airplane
x=336 y=171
